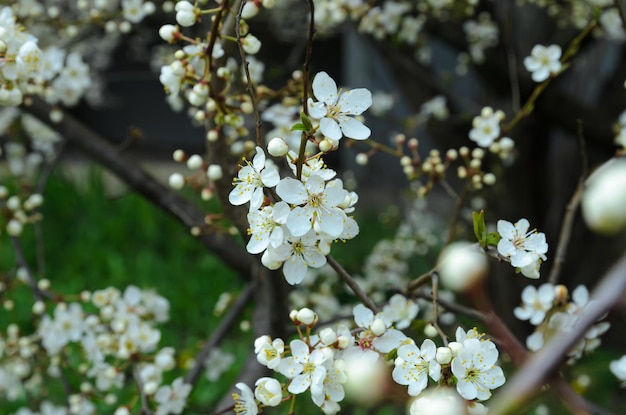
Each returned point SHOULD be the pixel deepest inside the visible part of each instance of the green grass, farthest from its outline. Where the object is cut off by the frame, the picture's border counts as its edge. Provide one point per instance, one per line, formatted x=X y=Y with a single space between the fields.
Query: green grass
x=92 y=241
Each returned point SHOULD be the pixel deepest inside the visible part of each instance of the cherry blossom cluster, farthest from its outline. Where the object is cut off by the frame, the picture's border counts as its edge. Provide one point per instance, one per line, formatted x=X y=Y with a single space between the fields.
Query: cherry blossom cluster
x=547 y=307
x=25 y=69
x=19 y=211
x=108 y=337
x=295 y=232
x=326 y=362
x=308 y=212
x=201 y=74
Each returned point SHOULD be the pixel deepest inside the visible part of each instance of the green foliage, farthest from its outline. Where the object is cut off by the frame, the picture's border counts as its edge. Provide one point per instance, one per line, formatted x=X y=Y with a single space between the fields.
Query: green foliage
x=92 y=241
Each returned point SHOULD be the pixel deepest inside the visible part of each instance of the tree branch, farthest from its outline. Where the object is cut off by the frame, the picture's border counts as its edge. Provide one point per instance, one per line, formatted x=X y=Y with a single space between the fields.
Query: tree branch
x=101 y=151
x=540 y=365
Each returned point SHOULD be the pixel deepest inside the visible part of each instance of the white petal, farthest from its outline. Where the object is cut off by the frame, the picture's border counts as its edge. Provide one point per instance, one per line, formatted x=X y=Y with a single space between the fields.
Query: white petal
x=270 y=176
x=330 y=128
x=291 y=191
x=317 y=110
x=352 y=128
x=331 y=221
x=355 y=101
x=325 y=88
x=294 y=270
x=299 y=221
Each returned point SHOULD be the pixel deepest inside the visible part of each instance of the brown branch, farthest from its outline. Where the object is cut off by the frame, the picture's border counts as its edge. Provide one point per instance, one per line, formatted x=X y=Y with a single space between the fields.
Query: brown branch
x=570 y=212
x=250 y=87
x=100 y=150
x=305 y=87
x=354 y=286
x=226 y=324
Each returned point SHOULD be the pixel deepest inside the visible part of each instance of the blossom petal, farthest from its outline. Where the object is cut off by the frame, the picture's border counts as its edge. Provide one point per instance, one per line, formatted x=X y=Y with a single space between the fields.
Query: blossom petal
x=353 y=128
x=292 y=191
x=330 y=128
x=317 y=110
x=325 y=88
x=355 y=101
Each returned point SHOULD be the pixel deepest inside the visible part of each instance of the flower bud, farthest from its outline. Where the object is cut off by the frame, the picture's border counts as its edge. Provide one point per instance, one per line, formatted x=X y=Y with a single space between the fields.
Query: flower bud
x=455 y=347
x=176 y=181
x=604 y=198
x=328 y=336
x=277 y=147
x=214 y=172
x=461 y=265
x=430 y=331
x=307 y=316
x=378 y=326
x=194 y=162
x=443 y=355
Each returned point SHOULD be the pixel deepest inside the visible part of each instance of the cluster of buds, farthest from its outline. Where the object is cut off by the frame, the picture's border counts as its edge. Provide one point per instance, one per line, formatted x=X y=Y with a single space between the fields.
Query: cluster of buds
x=18 y=212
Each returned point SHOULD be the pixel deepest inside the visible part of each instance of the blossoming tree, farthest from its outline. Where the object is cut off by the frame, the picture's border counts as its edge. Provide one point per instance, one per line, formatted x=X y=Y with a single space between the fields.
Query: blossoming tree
x=323 y=332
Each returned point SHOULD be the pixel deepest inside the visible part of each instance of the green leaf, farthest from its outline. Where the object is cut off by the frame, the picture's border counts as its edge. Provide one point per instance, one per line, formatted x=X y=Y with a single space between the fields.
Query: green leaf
x=298 y=127
x=306 y=122
x=493 y=238
x=391 y=356
x=479 y=227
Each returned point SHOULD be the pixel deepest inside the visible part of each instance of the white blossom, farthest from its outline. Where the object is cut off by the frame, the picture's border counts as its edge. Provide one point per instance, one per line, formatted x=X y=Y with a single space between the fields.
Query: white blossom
x=335 y=109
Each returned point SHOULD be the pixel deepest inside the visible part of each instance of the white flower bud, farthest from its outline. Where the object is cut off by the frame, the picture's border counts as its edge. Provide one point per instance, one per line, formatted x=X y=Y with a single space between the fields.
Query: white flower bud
x=247 y=107
x=343 y=342
x=306 y=316
x=361 y=159
x=430 y=331
x=122 y=410
x=14 y=228
x=185 y=13
x=328 y=336
x=378 y=326
x=194 y=162
x=251 y=44
x=455 y=347
x=168 y=32
x=150 y=387
x=325 y=145
x=461 y=265
x=39 y=307
x=444 y=355
x=178 y=155
x=214 y=172
x=604 y=198
x=176 y=181
x=14 y=203
x=212 y=136
x=277 y=147
x=269 y=262
x=250 y=10
x=4 y=192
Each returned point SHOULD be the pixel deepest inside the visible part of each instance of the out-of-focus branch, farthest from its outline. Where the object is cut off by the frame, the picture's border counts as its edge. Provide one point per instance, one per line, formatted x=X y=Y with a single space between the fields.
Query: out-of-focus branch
x=537 y=368
x=570 y=212
x=101 y=151
x=219 y=333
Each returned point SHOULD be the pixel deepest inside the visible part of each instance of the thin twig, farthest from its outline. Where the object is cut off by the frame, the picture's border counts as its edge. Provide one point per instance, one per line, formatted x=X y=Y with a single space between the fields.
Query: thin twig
x=570 y=212
x=354 y=286
x=460 y=201
x=30 y=278
x=305 y=87
x=219 y=333
x=435 y=279
x=251 y=89
x=145 y=407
